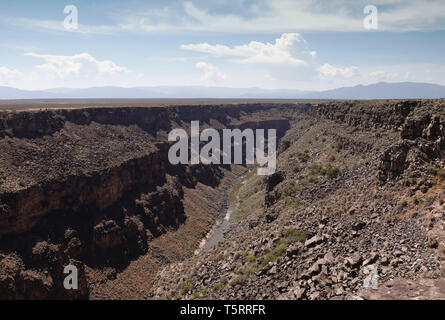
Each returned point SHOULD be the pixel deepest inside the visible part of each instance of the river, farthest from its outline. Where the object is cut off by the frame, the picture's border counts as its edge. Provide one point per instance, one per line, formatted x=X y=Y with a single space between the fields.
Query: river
x=223 y=224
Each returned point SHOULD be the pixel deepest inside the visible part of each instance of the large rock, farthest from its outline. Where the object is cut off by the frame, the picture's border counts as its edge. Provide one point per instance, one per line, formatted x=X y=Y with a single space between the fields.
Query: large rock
x=312 y=242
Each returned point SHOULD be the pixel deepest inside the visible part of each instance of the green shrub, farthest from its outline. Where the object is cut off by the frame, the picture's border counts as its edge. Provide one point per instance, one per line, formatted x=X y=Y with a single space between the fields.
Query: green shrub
x=272 y=255
x=328 y=171
x=316 y=169
x=332 y=172
x=289 y=236
x=290 y=189
x=295 y=203
x=186 y=288
x=303 y=157
x=218 y=286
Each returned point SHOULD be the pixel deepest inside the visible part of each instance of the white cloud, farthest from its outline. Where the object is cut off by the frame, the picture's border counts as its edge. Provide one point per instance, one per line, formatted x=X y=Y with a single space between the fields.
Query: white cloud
x=6 y=73
x=210 y=72
x=398 y=75
x=328 y=70
x=320 y=15
x=290 y=48
x=265 y=16
x=260 y=16
x=83 y=65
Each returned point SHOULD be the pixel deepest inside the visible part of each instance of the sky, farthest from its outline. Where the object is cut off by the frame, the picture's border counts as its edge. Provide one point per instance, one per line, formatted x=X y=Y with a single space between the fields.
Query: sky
x=292 y=44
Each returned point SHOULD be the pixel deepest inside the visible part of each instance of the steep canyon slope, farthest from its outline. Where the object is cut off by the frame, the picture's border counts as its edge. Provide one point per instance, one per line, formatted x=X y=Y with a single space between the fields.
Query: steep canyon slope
x=355 y=211
x=358 y=184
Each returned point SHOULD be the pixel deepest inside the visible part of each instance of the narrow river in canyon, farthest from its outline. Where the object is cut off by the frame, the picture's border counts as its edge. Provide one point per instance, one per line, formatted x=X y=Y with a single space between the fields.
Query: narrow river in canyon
x=224 y=222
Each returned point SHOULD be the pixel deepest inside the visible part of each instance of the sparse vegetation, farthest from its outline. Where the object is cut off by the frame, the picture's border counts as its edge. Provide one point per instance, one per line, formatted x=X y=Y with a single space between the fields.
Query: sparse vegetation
x=247 y=195
x=293 y=235
x=436 y=172
x=294 y=202
x=218 y=286
x=303 y=156
x=239 y=214
x=186 y=287
x=329 y=171
x=402 y=204
x=357 y=166
x=272 y=255
x=289 y=236
x=292 y=188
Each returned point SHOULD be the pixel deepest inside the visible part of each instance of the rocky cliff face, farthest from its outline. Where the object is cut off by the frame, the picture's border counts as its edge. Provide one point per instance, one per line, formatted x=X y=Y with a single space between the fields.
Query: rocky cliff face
x=422 y=142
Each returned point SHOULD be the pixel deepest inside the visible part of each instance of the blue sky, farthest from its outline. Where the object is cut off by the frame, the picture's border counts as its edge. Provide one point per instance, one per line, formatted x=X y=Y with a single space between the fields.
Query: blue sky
x=306 y=44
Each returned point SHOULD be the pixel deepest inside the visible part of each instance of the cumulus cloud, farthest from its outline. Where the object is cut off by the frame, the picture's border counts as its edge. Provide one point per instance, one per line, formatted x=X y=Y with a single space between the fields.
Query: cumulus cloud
x=328 y=70
x=83 y=64
x=210 y=72
x=290 y=48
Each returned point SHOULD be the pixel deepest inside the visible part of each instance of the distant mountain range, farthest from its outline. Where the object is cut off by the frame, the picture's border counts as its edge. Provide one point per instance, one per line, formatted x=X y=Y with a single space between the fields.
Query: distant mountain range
x=381 y=90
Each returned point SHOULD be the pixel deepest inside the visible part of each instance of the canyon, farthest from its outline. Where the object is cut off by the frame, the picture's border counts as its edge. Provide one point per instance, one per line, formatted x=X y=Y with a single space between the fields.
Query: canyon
x=358 y=183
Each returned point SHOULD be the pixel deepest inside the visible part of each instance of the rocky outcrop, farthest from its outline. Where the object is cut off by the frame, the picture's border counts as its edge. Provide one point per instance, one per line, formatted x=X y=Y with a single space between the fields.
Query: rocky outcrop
x=24 y=209
x=422 y=141
x=43 y=279
x=403 y=289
